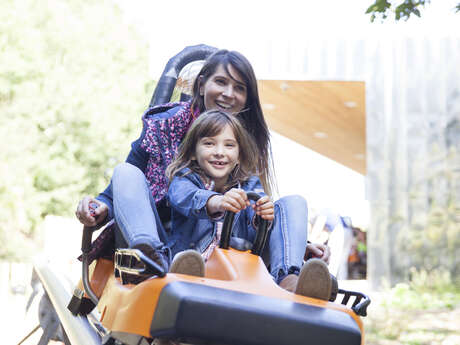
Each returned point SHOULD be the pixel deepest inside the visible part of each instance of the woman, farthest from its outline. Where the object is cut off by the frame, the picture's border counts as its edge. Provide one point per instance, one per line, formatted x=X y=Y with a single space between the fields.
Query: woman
x=135 y=198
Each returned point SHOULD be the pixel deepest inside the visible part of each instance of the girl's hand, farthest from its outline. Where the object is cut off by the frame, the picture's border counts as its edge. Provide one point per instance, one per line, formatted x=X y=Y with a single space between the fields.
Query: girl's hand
x=264 y=208
x=234 y=200
x=91 y=216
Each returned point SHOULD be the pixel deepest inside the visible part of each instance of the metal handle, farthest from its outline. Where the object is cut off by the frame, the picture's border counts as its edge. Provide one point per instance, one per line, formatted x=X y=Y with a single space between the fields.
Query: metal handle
x=167 y=82
x=262 y=231
x=86 y=248
x=360 y=303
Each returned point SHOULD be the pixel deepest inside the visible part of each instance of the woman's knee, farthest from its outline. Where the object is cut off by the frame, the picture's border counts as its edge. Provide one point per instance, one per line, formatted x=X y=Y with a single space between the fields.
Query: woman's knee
x=291 y=214
x=126 y=171
x=293 y=202
x=129 y=182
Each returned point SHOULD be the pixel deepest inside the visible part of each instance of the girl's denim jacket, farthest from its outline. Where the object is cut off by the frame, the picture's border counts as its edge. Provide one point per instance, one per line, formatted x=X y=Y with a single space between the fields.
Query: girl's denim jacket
x=191 y=226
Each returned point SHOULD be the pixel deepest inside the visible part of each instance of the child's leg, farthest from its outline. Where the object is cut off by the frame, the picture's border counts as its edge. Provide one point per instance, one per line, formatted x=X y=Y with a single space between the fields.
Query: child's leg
x=134 y=208
x=289 y=236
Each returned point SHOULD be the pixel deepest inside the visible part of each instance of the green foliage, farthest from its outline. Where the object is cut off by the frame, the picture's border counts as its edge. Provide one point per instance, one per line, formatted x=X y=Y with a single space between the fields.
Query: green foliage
x=425 y=310
x=73 y=84
x=425 y=290
x=402 y=9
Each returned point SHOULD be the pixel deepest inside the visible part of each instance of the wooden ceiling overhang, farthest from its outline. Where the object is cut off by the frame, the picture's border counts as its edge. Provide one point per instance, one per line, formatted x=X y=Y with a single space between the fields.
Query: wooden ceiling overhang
x=328 y=117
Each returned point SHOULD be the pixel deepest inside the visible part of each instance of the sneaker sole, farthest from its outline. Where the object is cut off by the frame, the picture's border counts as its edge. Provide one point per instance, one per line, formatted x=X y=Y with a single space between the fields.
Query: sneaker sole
x=188 y=262
x=314 y=280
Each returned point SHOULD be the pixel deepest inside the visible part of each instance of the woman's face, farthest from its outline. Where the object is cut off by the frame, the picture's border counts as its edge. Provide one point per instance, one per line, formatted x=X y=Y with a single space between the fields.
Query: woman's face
x=224 y=91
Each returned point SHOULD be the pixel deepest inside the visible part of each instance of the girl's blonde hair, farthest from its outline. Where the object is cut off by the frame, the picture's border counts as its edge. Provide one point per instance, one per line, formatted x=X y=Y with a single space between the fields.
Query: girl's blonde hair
x=210 y=124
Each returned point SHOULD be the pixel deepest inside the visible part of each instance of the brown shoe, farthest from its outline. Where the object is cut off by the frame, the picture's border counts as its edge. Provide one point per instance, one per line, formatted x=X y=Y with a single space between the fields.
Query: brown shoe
x=289 y=282
x=314 y=280
x=334 y=289
x=188 y=262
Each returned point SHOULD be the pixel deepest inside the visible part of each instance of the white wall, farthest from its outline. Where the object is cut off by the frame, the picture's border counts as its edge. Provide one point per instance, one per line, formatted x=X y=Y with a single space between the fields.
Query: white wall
x=323 y=182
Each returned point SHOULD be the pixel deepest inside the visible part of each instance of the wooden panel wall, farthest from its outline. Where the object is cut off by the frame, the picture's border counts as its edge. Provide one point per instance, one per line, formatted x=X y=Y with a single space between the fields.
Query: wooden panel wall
x=328 y=117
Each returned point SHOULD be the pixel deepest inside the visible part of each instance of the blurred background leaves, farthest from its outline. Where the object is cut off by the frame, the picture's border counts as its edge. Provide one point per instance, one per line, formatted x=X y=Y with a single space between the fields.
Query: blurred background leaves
x=73 y=85
x=401 y=9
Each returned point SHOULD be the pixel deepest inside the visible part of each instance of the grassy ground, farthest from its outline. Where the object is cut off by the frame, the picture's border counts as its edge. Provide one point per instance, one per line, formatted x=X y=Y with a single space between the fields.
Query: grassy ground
x=424 y=311
x=414 y=327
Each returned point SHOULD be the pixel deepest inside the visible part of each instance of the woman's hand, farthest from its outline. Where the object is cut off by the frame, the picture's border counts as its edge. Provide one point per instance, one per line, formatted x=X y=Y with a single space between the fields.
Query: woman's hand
x=264 y=208
x=91 y=216
x=320 y=251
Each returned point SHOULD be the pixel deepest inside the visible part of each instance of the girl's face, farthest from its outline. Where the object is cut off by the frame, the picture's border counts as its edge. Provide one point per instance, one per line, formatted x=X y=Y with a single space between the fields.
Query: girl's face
x=224 y=91
x=218 y=155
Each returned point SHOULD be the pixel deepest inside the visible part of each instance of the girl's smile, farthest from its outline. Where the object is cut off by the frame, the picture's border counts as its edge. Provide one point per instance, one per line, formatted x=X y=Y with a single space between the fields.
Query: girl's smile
x=218 y=155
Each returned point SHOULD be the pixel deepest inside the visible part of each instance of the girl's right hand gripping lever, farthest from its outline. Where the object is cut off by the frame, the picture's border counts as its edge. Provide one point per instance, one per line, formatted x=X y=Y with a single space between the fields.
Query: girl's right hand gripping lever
x=262 y=232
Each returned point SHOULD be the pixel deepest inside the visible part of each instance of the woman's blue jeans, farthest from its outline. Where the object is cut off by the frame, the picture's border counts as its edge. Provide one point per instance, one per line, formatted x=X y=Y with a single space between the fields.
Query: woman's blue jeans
x=137 y=218
x=288 y=238
x=134 y=209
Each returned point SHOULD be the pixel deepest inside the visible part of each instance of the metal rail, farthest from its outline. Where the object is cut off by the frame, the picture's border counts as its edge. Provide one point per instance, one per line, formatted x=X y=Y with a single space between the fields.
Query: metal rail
x=78 y=329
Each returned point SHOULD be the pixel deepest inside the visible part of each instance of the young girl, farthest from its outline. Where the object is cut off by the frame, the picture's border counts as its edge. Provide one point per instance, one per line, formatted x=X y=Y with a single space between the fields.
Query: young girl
x=215 y=166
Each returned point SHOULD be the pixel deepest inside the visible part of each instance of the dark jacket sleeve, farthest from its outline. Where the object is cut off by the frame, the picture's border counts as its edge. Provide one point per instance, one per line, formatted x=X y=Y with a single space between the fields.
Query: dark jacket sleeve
x=137 y=157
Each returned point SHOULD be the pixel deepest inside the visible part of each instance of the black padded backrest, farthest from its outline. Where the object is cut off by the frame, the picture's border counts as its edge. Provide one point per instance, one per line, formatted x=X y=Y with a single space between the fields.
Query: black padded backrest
x=168 y=79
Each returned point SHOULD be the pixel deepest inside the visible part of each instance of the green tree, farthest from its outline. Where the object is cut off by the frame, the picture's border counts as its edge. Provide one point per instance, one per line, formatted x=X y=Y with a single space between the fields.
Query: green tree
x=402 y=9
x=73 y=84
